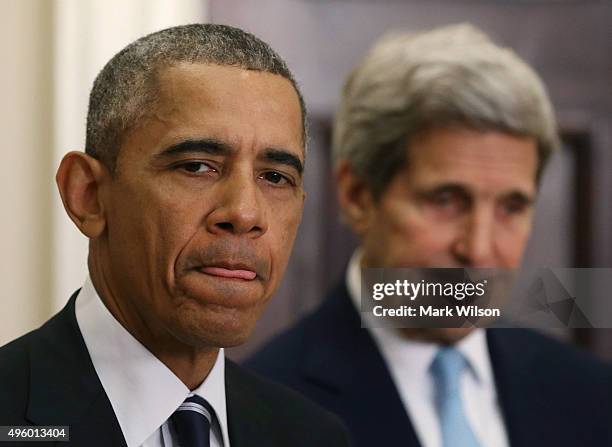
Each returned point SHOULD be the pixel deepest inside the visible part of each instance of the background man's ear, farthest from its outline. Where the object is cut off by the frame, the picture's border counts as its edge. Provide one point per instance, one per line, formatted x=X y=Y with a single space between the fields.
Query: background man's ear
x=354 y=197
x=79 y=179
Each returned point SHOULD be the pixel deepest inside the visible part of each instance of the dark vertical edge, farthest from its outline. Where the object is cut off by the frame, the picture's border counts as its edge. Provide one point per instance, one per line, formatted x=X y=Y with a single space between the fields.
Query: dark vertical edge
x=581 y=146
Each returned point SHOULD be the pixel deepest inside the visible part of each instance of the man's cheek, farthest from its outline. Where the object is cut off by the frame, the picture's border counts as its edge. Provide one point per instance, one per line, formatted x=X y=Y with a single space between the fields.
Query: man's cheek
x=289 y=227
x=513 y=250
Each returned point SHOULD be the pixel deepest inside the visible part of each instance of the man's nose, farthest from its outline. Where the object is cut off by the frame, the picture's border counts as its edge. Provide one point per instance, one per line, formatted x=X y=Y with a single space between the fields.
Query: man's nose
x=475 y=244
x=240 y=208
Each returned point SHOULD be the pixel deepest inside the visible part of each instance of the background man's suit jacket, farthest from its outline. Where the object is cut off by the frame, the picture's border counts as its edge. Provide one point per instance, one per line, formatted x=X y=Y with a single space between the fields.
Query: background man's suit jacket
x=47 y=378
x=550 y=394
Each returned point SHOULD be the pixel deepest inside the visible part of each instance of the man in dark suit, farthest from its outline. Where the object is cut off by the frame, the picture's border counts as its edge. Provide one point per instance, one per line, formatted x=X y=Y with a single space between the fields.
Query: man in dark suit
x=190 y=192
x=439 y=143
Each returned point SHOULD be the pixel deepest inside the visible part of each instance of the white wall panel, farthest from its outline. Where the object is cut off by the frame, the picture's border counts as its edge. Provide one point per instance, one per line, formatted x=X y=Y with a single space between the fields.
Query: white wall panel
x=86 y=35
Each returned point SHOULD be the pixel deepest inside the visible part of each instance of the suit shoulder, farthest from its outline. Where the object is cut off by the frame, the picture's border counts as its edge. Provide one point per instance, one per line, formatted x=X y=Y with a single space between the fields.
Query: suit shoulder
x=280 y=356
x=296 y=414
x=552 y=357
x=275 y=394
x=14 y=360
x=14 y=379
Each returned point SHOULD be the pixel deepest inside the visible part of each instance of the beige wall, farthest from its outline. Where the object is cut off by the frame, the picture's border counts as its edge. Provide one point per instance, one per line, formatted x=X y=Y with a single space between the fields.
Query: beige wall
x=52 y=50
x=26 y=181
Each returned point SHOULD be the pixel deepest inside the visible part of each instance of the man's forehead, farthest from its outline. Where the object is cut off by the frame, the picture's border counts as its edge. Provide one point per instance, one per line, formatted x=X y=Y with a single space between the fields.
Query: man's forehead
x=181 y=80
x=184 y=88
x=476 y=160
x=196 y=104
x=457 y=149
x=201 y=78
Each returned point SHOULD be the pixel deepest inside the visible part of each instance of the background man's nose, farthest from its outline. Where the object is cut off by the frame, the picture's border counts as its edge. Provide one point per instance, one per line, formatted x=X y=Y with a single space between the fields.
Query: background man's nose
x=474 y=246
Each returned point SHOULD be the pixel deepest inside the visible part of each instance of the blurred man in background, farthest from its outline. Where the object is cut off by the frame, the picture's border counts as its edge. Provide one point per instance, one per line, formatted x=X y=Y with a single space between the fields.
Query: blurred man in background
x=190 y=192
x=439 y=145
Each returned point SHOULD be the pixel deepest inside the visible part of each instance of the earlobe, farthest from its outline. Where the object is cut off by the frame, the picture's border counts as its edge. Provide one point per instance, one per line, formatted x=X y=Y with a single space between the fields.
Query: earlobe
x=354 y=197
x=79 y=179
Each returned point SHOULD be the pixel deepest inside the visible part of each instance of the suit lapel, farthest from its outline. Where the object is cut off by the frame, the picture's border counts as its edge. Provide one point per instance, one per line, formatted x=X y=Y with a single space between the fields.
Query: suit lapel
x=342 y=358
x=64 y=387
x=528 y=409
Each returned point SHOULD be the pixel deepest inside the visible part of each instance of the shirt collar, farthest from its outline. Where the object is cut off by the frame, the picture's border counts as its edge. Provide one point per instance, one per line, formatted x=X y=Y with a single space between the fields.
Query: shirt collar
x=213 y=390
x=143 y=391
x=475 y=350
x=416 y=355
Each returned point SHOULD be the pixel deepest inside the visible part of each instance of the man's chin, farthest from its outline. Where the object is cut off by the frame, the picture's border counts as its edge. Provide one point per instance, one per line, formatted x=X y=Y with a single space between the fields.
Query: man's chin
x=215 y=328
x=207 y=341
x=442 y=336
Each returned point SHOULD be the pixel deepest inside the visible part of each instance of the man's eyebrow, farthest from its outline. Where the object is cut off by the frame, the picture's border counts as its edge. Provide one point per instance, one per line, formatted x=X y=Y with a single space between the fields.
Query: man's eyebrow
x=518 y=194
x=456 y=188
x=459 y=188
x=208 y=146
x=284 y=157
x=212 y=146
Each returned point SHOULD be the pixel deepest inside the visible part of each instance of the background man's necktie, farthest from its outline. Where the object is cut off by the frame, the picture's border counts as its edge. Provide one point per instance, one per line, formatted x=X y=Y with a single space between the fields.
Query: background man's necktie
x=446 y=369
x=192 y=422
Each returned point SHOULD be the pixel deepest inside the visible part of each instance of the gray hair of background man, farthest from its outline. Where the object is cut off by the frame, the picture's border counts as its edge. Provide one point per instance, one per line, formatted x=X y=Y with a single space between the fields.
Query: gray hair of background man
x=451 y=76
x=125 y=90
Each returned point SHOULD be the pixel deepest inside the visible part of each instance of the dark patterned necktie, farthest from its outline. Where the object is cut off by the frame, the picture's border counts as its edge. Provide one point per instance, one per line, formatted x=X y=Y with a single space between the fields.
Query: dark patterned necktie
x=192 y=422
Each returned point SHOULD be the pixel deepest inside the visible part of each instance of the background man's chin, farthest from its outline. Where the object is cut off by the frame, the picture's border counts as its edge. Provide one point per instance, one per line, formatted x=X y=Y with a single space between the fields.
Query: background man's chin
x=444 y=336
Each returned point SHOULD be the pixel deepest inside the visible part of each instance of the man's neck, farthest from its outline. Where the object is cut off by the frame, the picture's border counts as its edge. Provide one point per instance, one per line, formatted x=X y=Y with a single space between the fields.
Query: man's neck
x=191 y=364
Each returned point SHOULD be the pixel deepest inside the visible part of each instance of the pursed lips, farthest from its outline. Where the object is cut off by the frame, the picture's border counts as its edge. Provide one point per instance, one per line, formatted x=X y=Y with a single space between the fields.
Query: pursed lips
x=230 y=271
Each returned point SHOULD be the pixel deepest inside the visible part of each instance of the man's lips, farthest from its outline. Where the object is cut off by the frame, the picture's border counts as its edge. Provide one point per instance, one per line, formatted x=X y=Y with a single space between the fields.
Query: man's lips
x=229 y=273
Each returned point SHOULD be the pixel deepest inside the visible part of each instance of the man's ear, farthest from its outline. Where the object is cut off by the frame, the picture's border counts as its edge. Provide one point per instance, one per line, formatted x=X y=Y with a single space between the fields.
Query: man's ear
x=355 y=198
x=79 y=179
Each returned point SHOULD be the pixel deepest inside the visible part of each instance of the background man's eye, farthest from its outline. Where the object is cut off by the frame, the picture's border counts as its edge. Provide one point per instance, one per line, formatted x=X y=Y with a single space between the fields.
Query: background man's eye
x=274 y=177
x=450 y=199
x=515 y=206
x=443 y=199
x=447 y=203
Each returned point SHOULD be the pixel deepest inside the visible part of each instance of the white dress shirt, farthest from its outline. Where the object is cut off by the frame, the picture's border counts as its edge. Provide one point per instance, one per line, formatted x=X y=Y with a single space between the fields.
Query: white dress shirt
x=408 y=362
x=143 y=392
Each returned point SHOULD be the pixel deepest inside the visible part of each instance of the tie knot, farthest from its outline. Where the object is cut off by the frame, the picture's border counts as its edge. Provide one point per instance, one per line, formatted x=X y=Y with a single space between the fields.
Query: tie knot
x=192 y=422
x=447 y=367
x=197 y=405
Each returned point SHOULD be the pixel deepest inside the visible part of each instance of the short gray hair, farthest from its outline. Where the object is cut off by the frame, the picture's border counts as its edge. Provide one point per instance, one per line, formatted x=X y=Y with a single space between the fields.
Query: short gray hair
x=409 y=84
x=125 y=88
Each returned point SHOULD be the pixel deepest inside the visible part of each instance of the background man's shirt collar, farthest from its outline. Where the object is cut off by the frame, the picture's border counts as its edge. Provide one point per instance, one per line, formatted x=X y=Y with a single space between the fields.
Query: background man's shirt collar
x=408 y=362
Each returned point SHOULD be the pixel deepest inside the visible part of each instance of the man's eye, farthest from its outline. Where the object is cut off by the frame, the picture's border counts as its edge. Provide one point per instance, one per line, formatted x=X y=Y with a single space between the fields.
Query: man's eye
x=275 y=177
x=515 y=206
x=447 y=203
x=196 y=167
x=443 y=199
x=449 y=199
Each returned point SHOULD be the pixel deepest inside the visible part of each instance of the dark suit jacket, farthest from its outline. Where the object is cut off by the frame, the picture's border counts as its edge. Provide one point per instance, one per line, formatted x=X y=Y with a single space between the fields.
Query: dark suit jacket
x=550 y=394
x=47 y=378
